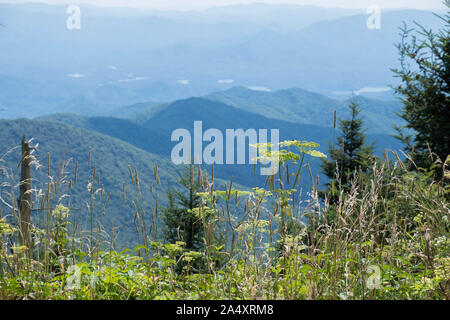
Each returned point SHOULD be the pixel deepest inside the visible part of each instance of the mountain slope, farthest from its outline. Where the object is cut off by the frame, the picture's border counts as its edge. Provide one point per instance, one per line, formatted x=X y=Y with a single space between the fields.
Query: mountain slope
x=141 y=136
x=301 y=106
x=131 y=111
x=280 y=17
x=183 y=113
x=110 y=157
x=339 y=54
x=154 y=134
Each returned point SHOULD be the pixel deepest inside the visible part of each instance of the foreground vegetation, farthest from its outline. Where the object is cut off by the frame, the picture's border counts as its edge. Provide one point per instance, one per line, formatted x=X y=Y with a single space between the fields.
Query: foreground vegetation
x=387 y=237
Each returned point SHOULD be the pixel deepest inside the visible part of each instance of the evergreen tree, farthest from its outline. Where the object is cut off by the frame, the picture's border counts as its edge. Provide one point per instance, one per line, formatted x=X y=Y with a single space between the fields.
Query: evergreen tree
x=180 y=221
x=184 y=223
x=425 y=75
x=349 y=154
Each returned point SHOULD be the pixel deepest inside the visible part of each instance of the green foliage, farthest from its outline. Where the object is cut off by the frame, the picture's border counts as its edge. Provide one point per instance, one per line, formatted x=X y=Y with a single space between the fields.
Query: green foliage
x=391 y=241
x=181 y=216
x=349 y=154
x=5 y=228
x=424 y=88
x=185 y=218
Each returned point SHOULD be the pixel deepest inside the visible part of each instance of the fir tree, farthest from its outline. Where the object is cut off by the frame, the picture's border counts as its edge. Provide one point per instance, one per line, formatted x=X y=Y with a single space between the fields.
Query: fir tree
x=424 y=88
x=180 y=221
x=349 y=154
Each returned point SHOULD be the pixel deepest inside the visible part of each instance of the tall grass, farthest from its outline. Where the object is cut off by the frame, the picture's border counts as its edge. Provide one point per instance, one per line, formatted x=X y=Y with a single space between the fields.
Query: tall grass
x=385 y=238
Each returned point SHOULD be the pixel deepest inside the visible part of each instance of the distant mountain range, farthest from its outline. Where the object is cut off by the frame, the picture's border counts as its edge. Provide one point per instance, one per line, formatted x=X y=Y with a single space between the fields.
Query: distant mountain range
x=151 y=127
x=120 y=57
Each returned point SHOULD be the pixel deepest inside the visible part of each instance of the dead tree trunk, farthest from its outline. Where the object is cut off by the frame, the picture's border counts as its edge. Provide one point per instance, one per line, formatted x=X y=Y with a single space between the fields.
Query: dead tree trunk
x=25 y=198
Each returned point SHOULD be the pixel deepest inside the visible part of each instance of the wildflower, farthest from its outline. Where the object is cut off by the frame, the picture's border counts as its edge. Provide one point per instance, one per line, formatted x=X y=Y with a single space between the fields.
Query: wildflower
x=60 y=212
x=5 y=228
x=442 y=271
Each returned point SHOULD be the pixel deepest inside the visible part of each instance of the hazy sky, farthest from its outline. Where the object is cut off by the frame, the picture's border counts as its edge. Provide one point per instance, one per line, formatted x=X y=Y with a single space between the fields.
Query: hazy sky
x=194 y=4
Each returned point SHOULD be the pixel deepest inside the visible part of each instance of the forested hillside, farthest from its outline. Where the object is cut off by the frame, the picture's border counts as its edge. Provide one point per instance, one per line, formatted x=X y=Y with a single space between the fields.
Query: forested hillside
x=151 y=130
x=301 y=106
x=71 y=148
